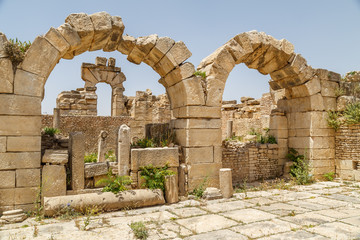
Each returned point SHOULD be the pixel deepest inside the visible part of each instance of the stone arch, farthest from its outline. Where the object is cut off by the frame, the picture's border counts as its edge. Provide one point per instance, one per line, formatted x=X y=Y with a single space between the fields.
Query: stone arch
x=302 y=93
x=23 y=89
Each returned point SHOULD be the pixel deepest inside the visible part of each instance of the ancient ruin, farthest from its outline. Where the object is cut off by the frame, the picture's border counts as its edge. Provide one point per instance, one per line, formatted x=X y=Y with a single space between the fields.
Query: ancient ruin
x=295 y=113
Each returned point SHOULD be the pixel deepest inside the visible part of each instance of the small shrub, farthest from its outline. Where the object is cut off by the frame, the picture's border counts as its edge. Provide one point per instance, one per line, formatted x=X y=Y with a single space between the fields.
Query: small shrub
x=16 y=50
x=115 y=184
x=201 y=74
x=139 y=229
x=333 y=120
x=67 y=213
x=90 y=212
x=300 y=169
x=110 y=156
x=144 y=143
x=352 y=113
x=329 y=176
x=90 y=158
x=254 y=131
x=50 y=131
x=199 y=190
x=155 y=176
x=339 y=91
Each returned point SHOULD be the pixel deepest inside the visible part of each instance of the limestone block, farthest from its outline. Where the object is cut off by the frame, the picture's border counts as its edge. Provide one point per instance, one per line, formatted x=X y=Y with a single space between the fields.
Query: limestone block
x=26 y=195
x=297 y=65
x=7 y=179
x=19 y=160
x=76 y=160
x=126 y=44
x=329 y=103
x=279 y=133
x=20 y=125
x=161 y=47
x=187 y=92
x=40 y=59
x=342 y=101
x=7 y=196
x=197 y=112
x=123 y=157
x=212 y=193
x=328 y=75
x=53 y=180
x=249 y=41
x=156 y=156
x=181 y=72
x=198 y=137
x=278 y=122
x=328 y=88
x=222 y=57
x=7 y=76
x=142 y=48
x=199 y=155
x=218 y=154
x=238 y=53
x=29 y=84
x=197 y=123
x=116 y=34
x=300 y=142
x=96 y=169
x=19 y=105
x=214 y=70
x=109 y=201
x=215 y=89
x=23 y=144
x=323 y=142
x=28 y=177
x=3 y=41
x=102 y=29
x=322 y=153
x=171 y=189
x=72 y=37
x=204 y=170
x=83 y=25
x=327 y=132
x=57 y=40
x=174 y=57
x=3 y=144
x=57 y=157
x=311 y=87
x=225 y=179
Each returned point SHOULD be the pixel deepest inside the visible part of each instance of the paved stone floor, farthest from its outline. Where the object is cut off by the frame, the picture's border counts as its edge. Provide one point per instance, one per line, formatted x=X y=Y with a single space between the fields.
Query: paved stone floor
x=324 y=210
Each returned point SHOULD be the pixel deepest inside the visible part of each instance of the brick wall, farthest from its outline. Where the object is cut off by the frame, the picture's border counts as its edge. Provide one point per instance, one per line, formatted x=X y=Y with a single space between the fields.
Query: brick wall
x=250 y=161
x=347 y=152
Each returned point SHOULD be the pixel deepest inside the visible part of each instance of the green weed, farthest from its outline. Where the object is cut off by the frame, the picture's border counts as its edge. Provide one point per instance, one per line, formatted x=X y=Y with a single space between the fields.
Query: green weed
x=155 y=176
x=139 y=229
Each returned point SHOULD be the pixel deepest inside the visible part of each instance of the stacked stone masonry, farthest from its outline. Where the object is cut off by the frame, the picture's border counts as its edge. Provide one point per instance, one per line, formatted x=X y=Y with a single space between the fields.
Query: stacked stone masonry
x=250 y=161
x=302 y=94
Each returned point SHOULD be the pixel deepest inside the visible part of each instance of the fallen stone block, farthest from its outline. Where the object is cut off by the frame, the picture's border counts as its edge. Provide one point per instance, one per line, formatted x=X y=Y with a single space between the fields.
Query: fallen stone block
x=106 y=201
x=96 y=169
x=55 y=156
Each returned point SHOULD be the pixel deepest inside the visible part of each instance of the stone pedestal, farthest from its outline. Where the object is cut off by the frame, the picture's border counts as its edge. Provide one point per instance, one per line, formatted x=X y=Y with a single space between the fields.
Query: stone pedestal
x=56 y=118
x=123 y=153
x=226 y=187
x=101 y=146
x=77 y=153
x=171 y=189
x=53 y=180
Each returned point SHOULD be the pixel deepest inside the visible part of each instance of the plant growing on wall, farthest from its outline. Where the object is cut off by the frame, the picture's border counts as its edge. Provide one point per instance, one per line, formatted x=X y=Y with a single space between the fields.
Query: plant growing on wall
x=300 y=169
x=16 y=50
x=164 y=140
x=50 y=131
x=155 y=176
x=115 y=184
x=110 y=156
x=90 y=158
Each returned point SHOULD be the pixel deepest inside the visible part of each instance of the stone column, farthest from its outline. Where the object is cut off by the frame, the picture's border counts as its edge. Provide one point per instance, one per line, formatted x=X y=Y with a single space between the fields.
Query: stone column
x=56 y=118
x=171 y=189
x=101 y=146
x=124 y=150
x=229 y=130
x=226 y=182
x=77 y=153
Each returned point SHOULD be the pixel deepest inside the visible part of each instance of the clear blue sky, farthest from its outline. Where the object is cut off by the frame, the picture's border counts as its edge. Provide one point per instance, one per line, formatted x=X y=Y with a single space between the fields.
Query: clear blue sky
x=325 y=32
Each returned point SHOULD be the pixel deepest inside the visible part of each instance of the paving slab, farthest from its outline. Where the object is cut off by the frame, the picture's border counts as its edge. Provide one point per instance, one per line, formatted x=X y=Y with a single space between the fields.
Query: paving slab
x=308 y=219
x=353 y=220
x=206 y=223
x=291 y=196
x=264 y=228
x=259 y=201
x=226 y=206
x=282 y=209
x=337 y=230
x=249 y=215
x=327 y=201
x=295 y=235
x=218 y=235
x=346 y=198
x=188 y=212
x=308 y=205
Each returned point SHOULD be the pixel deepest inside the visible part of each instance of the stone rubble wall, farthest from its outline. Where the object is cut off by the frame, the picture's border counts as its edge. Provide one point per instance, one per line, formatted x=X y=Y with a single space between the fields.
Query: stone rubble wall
x=250 y=161
x=249 y=114
x=79 y=102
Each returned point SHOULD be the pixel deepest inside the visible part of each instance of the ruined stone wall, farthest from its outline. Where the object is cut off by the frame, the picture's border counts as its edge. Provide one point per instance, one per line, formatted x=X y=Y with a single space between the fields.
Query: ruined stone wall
x=249 y=114
x=250 y=161
x=82 y=101
x=347 y=152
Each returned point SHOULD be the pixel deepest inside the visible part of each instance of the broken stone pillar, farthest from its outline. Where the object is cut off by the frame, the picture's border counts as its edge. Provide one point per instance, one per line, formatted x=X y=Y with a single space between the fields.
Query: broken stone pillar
x=182 y=179
x=171 y=189
x=53 y=180
x=229 y=130
x=226 y=187
x=76 y=160
x=124 y=150
x=101 y=146
x=56 y=118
